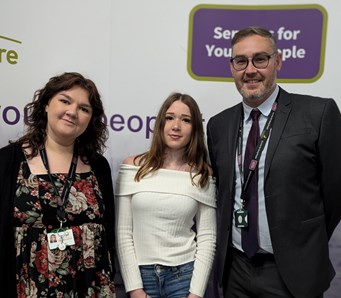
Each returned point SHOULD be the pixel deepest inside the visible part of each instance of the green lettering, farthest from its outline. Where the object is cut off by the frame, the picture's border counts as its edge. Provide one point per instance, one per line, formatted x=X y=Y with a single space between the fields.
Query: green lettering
x=12 y=57
x=2 y=51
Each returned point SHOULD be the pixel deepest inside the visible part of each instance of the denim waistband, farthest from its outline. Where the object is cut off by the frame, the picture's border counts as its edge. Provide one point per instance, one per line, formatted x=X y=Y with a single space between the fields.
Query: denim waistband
x=159 y=267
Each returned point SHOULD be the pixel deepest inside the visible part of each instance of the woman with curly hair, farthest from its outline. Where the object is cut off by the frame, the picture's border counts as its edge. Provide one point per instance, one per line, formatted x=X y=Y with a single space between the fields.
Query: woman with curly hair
x=54 y=180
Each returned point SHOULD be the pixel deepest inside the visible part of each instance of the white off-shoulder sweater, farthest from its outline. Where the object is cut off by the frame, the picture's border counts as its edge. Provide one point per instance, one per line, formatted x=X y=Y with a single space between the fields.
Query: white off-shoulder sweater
x=154 y=220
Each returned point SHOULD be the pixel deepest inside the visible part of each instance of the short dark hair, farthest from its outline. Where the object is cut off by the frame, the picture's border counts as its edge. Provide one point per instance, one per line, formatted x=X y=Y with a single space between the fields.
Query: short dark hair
x=254 y=30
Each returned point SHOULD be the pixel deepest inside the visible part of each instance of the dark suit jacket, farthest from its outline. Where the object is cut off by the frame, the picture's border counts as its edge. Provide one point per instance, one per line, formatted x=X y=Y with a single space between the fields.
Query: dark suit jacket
x=302 y=186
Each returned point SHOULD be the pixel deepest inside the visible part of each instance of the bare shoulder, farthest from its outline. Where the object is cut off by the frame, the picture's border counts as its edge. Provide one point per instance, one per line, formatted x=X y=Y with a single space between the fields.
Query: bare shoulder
x=131 y=160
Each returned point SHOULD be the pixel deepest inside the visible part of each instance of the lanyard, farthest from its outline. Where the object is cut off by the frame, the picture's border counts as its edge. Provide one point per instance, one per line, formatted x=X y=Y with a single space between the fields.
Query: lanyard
x=257 y=154
x=62 y=200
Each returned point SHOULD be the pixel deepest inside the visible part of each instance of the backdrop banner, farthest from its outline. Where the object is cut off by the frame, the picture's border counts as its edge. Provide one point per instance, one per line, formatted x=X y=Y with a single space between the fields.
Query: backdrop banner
x=138 y=52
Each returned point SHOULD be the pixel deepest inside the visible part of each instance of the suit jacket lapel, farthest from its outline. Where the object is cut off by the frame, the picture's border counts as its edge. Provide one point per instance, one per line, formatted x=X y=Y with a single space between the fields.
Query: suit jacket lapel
x=232 y=150
x=281 y=117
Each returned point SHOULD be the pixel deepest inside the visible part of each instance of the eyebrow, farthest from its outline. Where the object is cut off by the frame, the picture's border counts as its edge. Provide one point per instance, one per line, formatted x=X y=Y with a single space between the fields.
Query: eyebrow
x=183 y=115
x=255 y=54
x=69 y=97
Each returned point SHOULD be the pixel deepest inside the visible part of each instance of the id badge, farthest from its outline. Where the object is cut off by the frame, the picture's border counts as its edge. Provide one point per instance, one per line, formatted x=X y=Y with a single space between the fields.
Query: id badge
x=241 y=218
x=60 y=238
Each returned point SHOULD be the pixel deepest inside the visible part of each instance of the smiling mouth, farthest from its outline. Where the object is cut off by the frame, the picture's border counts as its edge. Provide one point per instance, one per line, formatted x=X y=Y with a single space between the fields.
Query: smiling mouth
x=69 y=121
x=252 y=84
x=175 y=136
x=254 y=81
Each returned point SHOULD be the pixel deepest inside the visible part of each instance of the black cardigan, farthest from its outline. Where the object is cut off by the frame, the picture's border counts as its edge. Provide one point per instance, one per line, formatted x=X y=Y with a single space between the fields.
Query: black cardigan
x=10 y=158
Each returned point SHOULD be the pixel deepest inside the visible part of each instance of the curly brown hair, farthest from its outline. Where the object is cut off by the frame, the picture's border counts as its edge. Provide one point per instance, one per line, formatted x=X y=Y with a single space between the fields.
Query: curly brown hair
x=91 y=142
x=195 y=152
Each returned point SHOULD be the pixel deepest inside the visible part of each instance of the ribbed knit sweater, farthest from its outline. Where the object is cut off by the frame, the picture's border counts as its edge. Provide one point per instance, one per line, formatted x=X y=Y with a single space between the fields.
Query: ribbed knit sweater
x=154 y=224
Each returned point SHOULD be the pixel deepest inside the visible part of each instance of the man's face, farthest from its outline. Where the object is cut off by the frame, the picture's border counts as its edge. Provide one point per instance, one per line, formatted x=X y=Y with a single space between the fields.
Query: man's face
x=255 y=84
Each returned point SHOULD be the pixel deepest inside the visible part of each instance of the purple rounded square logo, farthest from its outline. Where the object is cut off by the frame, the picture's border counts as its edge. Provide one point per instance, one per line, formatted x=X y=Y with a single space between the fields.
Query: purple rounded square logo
x=300 y=31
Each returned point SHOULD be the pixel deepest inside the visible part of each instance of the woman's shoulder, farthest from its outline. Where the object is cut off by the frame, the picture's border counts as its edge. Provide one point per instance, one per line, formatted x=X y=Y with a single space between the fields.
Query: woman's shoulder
x=133 y=160
x=10 y=158
x=10 y=149
x=99 y=164
x=98 y=158
x=129 y=160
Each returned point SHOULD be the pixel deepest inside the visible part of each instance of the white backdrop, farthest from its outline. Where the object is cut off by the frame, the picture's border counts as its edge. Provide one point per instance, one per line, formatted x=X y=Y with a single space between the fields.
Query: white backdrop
x=136 y=52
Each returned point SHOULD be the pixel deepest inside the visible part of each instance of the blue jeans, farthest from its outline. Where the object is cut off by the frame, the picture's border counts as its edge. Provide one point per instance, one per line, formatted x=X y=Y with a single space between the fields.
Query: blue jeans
x=167 y=281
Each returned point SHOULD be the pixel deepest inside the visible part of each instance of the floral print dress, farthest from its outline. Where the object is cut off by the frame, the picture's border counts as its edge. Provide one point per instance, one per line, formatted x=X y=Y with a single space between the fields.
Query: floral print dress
x=81 y=270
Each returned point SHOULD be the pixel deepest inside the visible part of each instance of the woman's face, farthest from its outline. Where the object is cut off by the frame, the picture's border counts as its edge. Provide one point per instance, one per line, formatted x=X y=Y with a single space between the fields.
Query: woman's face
x=178 y=126
x=68 y=114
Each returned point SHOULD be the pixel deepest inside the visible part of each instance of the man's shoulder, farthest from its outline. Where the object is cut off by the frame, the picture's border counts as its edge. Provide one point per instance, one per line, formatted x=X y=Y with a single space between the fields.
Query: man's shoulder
x=227 y=112
x=305 y=102
x=303 y=98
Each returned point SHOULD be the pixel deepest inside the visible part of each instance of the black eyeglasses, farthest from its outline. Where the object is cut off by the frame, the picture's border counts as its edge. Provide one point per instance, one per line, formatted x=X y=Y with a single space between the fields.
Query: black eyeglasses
x=259 y=61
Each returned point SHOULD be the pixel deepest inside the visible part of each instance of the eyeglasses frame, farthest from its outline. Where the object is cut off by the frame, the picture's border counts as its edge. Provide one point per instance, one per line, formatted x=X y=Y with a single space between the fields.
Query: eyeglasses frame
x=269 y=56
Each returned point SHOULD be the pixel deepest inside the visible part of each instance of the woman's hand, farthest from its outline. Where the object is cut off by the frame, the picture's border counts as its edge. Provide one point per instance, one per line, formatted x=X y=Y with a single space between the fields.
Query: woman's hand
x=138 y=293
x=193 y=296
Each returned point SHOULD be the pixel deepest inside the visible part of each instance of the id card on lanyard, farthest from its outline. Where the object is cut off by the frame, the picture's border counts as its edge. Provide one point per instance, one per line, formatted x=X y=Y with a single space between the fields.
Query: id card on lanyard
x=241 y=215
x=62 y=237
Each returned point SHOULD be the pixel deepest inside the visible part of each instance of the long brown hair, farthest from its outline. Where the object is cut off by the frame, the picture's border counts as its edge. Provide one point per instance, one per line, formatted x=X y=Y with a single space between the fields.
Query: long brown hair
x=92 y=140
x=195 y=152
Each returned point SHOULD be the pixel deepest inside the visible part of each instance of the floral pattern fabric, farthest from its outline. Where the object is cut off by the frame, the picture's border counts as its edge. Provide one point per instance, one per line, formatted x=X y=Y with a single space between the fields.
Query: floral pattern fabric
x=81 y=270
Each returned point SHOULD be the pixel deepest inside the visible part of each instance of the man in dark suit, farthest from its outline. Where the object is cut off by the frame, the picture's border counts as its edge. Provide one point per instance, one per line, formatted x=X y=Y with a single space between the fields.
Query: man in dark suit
x=293 y=177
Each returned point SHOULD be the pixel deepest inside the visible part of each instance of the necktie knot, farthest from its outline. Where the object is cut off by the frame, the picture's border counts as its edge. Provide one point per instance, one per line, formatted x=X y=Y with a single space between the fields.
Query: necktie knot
x=255 y=114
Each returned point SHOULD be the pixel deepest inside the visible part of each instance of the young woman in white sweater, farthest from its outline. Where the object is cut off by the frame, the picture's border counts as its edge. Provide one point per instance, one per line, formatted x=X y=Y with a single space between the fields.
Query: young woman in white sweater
x=165 y=208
